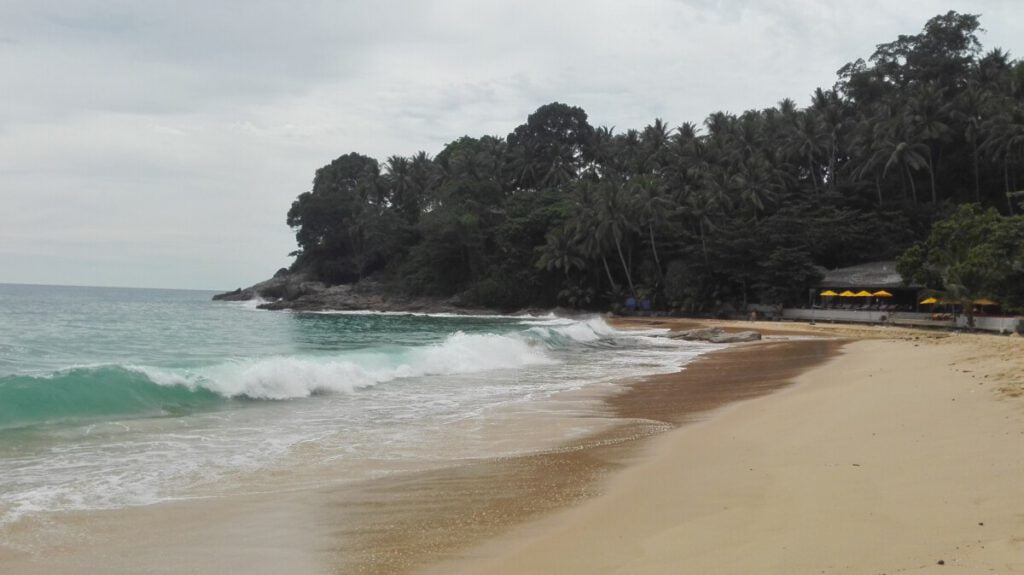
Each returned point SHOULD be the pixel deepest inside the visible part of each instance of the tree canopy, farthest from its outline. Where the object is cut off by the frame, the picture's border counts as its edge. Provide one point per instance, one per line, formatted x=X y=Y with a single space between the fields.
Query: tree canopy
x=745 y=207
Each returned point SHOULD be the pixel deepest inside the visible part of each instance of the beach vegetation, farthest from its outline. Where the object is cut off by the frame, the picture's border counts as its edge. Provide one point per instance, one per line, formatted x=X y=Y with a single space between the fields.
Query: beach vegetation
x=745 y=207
x=975 y=253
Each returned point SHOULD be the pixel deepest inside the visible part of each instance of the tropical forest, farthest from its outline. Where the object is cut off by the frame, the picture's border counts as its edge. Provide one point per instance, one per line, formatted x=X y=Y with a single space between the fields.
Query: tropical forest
x=915 y=154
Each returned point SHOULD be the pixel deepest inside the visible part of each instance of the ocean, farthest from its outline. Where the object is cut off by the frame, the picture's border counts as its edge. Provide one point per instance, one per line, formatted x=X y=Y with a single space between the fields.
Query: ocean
x=116 y=397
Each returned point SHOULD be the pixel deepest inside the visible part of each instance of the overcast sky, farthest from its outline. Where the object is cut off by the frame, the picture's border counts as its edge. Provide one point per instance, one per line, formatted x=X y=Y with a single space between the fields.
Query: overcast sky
x=160 y=144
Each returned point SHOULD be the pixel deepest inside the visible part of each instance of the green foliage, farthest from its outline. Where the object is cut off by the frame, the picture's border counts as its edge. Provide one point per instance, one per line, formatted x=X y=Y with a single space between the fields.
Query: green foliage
x=972 y=254
x=746 y=208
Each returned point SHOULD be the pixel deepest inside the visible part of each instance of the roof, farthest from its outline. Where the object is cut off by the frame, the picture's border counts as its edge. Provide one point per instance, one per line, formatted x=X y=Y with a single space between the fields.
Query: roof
x=873 y=275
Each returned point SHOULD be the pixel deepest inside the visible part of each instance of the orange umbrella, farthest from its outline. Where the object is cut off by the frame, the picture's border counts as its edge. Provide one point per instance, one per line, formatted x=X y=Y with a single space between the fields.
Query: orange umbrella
x=828 y=293
x=929 y=301
x=862 y=293
x=985 y=301
x=882 y=293
x=847 y=293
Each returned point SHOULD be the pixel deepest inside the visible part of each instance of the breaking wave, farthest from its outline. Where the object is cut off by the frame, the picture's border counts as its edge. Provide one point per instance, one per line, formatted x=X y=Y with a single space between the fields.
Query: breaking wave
x=91 y=392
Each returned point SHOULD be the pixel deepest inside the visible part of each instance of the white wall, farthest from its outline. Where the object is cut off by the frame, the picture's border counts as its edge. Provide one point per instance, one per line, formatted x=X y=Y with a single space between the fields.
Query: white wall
x=997 y=324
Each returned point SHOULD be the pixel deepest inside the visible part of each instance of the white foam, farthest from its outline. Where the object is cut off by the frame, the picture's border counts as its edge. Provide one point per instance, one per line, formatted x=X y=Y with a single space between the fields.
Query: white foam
x=289 y=377
x=418 y=314
x=142 y=461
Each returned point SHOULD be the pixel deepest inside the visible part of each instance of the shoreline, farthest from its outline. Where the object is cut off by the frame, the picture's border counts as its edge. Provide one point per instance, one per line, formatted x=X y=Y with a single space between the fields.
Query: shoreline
x=636 y=498
x=474 y=503
x=376 y=526
x=902 y=453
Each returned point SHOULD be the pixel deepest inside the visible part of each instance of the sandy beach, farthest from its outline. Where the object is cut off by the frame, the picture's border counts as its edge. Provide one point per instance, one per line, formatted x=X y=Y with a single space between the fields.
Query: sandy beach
x=903 y=454
x=858 y=450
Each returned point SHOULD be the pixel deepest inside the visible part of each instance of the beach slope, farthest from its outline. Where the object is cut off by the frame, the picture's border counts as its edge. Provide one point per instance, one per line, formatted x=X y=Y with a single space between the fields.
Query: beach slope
x=903 y=454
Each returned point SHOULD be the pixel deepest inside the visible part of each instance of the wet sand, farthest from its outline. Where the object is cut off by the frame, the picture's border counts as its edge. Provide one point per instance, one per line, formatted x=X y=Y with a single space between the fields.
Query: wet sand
x=902 y=454
x=406 y=521
x=422 y=519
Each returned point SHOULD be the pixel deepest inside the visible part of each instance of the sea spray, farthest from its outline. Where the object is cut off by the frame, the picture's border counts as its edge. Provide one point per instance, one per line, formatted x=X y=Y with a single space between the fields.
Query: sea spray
x=111 y=398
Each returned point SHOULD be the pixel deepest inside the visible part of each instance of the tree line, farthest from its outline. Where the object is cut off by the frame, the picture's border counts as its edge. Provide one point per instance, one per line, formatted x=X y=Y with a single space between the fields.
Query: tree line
x=743 y=208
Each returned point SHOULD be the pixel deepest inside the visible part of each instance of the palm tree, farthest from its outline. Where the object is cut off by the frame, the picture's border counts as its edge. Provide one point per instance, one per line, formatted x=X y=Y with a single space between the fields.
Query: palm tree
x=808 y=140
x=701 y=205
x=398 y=178
x=615 y=222
x=969 y=112
x=754 y=180
x=926 y=123
x=424 y=176
x=585 y=230
x=907 y=156
x=653 y=207
x=829 y=107
x=1005 y=141
x=560 y=252
x=655 y=139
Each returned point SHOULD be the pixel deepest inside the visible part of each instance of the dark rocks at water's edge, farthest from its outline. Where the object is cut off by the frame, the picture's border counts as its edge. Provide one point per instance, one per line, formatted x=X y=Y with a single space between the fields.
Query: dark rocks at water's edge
x=299 y=292
x=283 y=285
x=717 y=335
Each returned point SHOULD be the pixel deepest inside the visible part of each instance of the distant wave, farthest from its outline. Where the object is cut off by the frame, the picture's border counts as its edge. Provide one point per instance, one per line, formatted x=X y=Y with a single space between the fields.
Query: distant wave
x=92 y=392
x=81 y=393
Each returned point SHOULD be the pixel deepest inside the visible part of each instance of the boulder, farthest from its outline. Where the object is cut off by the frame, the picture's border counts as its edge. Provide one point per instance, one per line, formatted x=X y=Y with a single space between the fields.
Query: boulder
x=236 y=295
x=699 y=334
x=738 y=337
x=717 y=335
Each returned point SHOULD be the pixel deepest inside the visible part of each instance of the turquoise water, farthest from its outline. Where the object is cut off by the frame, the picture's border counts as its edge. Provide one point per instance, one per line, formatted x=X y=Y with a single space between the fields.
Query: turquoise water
x=112 y=397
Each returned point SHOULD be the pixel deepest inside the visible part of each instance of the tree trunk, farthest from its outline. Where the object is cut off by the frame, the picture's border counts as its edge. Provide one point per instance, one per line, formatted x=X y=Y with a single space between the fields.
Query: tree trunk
x=704 y=244
x=977 y=177
x=832 y=164
x=810 y=170
x=878 y=188
x=608 y=271
x=657 y=262
x=931 y=176
x=1006 y=180
x=913 y=186
x=629 y=276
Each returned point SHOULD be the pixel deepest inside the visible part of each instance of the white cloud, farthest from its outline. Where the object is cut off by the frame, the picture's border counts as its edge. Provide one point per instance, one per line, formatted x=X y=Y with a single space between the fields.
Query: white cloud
x=155 y=143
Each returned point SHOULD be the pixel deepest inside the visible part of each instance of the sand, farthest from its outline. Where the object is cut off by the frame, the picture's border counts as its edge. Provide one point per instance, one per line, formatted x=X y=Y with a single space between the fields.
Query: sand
x=903 y=454
x=869 y=451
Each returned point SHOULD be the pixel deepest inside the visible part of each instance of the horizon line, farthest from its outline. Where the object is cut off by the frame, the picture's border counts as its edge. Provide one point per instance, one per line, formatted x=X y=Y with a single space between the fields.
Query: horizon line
x=34 y=284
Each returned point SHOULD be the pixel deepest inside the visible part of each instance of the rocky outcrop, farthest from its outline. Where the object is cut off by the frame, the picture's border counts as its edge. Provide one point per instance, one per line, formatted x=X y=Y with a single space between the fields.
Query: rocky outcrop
x=717 y=335
x=298 y=292
x=283 y=286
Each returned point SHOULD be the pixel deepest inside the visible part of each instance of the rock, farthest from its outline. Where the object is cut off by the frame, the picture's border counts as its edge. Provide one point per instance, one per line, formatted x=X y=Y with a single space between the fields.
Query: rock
x=738 y=337
x=284 y=285
x=717 y=335
x=237 y=295
x=699 y=334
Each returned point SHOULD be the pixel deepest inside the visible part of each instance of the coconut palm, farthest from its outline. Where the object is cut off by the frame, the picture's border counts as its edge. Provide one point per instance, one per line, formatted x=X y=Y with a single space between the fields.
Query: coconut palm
x=808 y=140
x=1005 y=141
x=560 y=252
x=653 y=207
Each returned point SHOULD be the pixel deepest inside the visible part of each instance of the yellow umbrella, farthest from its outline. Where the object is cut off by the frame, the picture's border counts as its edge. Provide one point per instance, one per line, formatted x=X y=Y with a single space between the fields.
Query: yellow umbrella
x=929 y=301
x=882 y=293
x=985 y=301
x=862 y=293
x=847 y=293
x=828 y=293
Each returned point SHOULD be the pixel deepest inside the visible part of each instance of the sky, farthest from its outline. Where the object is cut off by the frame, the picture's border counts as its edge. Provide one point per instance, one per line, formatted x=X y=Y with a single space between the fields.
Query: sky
x=160 y=144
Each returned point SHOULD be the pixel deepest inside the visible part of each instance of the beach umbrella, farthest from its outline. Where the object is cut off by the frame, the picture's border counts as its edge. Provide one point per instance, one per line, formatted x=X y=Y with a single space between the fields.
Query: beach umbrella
x=929 y=301
x=847 y=293
x=882 y=293
x=828 y=293
x=985 y=301
x=862 y=293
